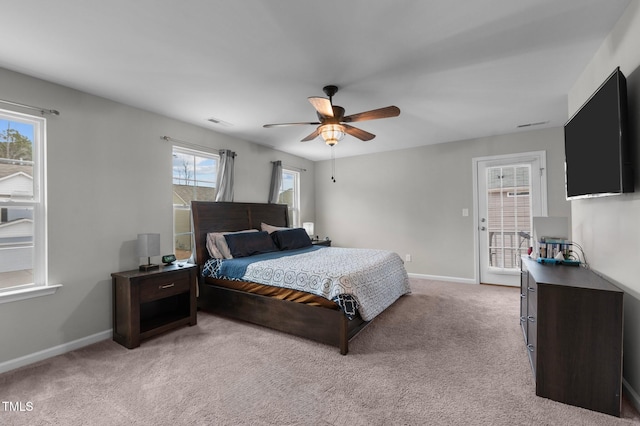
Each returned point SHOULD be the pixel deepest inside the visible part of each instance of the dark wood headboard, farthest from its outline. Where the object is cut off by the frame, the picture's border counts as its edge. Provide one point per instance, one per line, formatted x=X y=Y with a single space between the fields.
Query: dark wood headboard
x=222 y=216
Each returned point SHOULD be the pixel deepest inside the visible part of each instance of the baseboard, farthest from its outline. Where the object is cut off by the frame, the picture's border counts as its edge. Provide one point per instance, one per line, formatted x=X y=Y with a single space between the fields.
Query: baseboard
x=442 y=278
x=631 y=394
x=54 y=351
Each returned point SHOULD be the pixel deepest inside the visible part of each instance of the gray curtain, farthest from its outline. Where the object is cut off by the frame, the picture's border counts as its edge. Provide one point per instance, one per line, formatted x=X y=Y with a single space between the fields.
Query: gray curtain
x=224 y=179
x=276 y=182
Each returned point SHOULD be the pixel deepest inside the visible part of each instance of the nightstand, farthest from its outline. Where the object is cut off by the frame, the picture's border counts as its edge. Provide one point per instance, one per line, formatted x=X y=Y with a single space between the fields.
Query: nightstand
x=149 y=303
x=321 y=243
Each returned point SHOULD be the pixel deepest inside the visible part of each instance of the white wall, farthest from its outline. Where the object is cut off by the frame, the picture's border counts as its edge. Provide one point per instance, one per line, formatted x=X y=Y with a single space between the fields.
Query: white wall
x=410 y=201
x=109 y=178
x=609 y=228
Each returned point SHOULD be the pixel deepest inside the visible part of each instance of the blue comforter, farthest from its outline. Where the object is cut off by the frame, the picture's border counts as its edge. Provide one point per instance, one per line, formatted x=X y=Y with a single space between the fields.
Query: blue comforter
x=236 y=268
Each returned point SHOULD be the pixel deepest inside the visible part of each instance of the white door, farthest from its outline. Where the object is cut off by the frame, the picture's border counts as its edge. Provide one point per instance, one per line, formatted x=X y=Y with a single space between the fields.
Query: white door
x=511 y=190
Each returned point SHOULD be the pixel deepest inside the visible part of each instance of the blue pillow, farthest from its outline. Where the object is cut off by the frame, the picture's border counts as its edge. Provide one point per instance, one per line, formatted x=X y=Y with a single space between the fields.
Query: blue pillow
x=249 y=243
x=289 y=239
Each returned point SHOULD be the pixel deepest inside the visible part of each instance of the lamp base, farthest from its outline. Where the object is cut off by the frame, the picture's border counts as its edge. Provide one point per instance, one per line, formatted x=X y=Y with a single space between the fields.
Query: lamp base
x=149 y=267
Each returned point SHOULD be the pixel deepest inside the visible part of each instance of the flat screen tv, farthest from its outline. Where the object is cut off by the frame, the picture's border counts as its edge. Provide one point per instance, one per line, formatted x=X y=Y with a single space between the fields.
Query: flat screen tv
x=597 y=156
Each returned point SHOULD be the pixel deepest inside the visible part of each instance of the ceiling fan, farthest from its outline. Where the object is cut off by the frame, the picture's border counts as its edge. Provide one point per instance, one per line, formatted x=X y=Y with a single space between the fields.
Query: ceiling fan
x=333 y=123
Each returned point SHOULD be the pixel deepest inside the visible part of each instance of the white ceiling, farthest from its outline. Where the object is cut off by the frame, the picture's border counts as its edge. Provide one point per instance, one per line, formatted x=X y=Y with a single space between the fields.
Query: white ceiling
x=456 y=69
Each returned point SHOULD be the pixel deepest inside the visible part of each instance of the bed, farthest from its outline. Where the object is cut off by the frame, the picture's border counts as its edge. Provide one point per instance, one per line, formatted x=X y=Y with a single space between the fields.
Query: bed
x=313 y=312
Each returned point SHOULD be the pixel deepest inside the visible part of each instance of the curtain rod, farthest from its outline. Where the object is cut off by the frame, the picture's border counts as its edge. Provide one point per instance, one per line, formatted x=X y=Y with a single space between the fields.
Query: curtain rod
x=292 y=167
x=43 y=111
x=170 y=139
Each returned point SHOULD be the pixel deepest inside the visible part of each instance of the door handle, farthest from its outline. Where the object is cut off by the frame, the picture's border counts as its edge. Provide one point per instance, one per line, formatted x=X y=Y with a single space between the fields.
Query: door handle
x=482 y=228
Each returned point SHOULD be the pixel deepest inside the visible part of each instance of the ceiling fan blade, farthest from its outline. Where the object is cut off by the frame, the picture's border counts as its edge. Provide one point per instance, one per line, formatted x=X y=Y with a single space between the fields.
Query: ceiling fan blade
x=358 y=133
x=374 y=114
x=322 y=105
x=312 y=136
x=291 y=124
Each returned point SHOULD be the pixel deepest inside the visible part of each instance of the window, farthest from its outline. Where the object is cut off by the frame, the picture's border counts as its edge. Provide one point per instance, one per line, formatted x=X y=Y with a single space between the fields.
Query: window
x=194 y=179
x=290 y=195
x=510 y=214
x=23 y=234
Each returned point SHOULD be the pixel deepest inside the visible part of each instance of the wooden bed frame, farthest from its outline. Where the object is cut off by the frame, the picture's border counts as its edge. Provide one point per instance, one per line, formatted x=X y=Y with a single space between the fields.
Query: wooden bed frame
x=321 y=324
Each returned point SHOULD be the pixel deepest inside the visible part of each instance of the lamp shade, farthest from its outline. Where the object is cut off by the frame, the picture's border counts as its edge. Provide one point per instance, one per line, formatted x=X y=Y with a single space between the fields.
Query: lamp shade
x=148 y=245
x=308 y=226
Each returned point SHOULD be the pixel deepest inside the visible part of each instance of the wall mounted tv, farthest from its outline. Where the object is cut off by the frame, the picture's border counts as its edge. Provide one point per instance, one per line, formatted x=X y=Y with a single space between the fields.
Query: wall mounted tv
x=597 y=154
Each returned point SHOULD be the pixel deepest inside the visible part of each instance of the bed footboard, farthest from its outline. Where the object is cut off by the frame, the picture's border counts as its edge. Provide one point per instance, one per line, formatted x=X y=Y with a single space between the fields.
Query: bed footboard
x=328 y=326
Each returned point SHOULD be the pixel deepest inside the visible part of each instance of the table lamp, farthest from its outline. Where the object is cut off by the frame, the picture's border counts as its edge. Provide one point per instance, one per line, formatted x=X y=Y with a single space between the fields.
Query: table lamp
x=309 y=227
x=148 y=245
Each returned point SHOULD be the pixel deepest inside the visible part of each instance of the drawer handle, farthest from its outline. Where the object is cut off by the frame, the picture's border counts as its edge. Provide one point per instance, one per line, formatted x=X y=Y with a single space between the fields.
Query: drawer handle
x=530 y=347
x=531 y=289
x=167 y=285
x=531 y=318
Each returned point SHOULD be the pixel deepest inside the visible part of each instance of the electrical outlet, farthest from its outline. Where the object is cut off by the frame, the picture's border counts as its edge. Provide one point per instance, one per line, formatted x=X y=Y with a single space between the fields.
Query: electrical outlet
x=407 y=258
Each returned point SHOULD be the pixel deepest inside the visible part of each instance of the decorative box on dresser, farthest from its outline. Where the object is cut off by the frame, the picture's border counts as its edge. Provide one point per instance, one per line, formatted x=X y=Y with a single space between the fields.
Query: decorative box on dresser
x=152 y=302
x=572 y=324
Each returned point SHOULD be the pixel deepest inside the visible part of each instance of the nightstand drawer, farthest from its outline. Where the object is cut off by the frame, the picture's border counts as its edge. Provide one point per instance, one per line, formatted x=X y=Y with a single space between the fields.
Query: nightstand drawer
x=164 y=285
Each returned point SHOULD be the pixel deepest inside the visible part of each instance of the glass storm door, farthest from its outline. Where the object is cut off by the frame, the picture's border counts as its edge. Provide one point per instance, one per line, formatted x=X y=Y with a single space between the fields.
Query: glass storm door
x=509 y=196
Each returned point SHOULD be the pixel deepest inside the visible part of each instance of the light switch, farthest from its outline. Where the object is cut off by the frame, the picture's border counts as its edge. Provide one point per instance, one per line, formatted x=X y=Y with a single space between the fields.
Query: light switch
x=465 y=212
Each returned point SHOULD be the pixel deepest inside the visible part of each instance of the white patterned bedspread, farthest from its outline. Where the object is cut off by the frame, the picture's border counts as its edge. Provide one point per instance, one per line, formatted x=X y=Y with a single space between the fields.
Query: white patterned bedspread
x=375 y=278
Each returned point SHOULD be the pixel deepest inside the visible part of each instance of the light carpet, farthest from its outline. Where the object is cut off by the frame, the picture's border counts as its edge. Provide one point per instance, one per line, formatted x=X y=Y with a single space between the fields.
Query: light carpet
x=446 y=354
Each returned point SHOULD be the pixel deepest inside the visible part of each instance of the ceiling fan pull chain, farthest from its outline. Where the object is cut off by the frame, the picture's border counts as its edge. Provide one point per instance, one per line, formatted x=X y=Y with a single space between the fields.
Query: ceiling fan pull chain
x=333 y=165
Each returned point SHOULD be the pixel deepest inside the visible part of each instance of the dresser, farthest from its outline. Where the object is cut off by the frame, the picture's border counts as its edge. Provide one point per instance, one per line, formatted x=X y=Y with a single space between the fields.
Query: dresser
x=572 y=324
x=152 y=302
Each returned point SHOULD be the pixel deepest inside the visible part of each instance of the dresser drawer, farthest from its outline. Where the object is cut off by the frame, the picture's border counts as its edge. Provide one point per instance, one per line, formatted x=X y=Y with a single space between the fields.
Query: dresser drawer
x=532 y=296
x=164 y=285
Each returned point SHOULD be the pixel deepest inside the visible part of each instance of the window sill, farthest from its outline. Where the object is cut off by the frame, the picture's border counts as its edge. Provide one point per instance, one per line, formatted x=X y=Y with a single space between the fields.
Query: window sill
x=28 y=293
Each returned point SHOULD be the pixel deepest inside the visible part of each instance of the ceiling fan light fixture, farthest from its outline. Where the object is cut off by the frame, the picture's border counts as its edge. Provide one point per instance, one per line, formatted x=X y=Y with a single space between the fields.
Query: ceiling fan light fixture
x=332 y=133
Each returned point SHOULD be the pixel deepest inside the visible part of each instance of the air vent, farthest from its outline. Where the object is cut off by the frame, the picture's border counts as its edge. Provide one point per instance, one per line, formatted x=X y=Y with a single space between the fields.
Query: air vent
x=539 y=123
x=219 y=122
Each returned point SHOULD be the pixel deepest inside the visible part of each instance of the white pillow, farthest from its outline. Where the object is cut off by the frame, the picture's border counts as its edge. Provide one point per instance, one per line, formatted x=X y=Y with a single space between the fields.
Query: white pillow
x=211 y=246
x=271 y=228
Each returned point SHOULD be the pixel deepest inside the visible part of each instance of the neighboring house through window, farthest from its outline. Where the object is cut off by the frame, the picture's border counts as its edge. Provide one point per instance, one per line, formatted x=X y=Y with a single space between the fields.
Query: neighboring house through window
x=23 y=233
x=194 y=179
x=290 y=194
